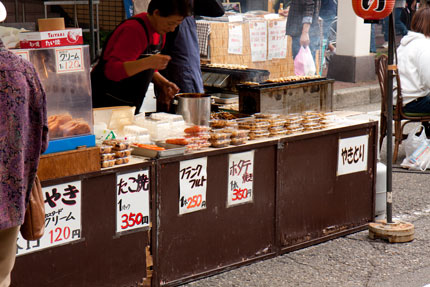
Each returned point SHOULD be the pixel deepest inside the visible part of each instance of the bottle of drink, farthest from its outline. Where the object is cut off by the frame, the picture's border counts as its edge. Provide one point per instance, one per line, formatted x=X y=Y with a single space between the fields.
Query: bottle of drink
x=281 y=8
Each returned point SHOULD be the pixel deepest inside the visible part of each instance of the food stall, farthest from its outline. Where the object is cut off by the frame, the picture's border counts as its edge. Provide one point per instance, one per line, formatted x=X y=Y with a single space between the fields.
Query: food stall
x=161 y=202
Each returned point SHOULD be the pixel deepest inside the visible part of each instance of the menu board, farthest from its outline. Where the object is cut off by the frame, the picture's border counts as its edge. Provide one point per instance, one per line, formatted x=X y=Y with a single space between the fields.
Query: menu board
x=258 y=41
x=62 y=218
x=192 y=185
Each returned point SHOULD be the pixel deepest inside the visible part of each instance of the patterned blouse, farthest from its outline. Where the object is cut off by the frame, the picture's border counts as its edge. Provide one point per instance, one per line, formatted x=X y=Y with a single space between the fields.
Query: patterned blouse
x=23 y=134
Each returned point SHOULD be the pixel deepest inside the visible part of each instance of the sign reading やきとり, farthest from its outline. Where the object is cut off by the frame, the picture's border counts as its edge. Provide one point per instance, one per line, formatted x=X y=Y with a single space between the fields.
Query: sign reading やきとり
x=62 y=218
x=192 y=185
x=240 y=178
x=352 y=155
x=132 y=200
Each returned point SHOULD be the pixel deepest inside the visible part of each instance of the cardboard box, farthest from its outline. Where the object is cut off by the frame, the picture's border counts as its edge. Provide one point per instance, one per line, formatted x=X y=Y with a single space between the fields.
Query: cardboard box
x=51 y=24
x=48 y=39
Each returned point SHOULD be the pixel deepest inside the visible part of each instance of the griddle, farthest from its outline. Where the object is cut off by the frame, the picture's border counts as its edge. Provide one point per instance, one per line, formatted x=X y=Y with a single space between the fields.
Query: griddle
x=237 y=72
x=274 y=85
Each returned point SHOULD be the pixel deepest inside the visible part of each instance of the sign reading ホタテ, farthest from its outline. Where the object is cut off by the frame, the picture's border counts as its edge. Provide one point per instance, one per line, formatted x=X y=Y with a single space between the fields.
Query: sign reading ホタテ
x=352 y=155
x=132 y=200
x=192 y=185
x=240 y=178
x=62 y=218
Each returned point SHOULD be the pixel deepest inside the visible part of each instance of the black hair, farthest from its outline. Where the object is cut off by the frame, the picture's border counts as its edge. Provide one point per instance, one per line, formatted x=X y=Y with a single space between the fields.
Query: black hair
x=171 y=7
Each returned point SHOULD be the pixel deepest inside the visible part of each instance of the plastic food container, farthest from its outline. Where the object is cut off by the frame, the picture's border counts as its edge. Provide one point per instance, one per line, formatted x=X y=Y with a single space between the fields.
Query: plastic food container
x=217 y=124
x=258 y=134
x=107 y=156
x=117 y=144
x=238 y=140
x=123 y=153
x=251 y=124
x=196 y=129
x=220 y=143
x=122 y=160
x=105 y=149
x=107 y=163
x=265 y=116
x=215 y=135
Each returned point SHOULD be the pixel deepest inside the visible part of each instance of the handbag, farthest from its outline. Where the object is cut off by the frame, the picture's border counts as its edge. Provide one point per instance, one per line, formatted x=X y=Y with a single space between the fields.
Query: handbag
x=34 y=220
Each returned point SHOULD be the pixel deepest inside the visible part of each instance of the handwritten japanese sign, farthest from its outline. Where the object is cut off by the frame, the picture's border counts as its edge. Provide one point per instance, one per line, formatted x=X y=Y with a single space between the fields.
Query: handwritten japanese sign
x=192 y=185
x=69 y=60
x=132 y=197
x=352 y=155
x=258 y=41
x=240 y=178
x=62 y=218
x=235 y=39
x=277 y=40
x=22 y=53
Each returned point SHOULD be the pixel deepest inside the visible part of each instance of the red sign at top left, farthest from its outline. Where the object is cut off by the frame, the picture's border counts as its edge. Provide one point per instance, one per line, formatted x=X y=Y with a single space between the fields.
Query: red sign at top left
x=48 y=39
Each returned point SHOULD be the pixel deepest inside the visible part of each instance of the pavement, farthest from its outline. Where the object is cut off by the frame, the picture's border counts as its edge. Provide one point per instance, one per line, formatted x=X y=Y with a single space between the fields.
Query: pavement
x=353 y=260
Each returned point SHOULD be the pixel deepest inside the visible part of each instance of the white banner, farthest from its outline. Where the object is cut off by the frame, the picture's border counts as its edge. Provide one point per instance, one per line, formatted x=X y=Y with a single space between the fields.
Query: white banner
x=62 y=218
x=235 y=39
x=192 y=185
x=352 y=155
x=132 y=200
x=258 y=41
x=277 y=40
x=240 y=178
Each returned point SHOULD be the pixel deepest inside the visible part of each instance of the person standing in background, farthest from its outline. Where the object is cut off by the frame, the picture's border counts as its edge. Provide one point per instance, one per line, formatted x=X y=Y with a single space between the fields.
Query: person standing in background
x=408 y=12
x=302 y=25
x=23 y=138
x=400 y=27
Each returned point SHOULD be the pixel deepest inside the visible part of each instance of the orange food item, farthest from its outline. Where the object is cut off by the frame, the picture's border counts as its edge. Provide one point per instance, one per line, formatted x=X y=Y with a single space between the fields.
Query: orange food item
x=178 y=141
x=150 y=146
x=196 y=129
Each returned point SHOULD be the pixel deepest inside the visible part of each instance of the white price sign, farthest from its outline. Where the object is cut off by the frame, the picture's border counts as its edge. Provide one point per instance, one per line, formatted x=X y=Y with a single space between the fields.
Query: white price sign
x=62 y=218
x=132 y=200
x=69 y=60
x=235 y=39
x=258 y=41
x=192 y=185
x=240 y=178
x=22 y=53
x=277 y=40
x=352 y=155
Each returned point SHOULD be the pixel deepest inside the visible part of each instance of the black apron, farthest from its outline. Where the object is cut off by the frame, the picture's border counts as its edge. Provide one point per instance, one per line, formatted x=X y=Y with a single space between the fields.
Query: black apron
x=127 y=92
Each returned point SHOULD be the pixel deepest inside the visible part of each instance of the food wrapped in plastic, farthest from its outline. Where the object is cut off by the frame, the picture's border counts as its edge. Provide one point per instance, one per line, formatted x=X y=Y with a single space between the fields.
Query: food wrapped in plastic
x=252 y=124
x=265 y=116
x=277 y=122
x=117 y=144
x=178 y=141
x=238 y=140
x=107 y=163
x=219 y=135
x=107 y=156
x=220 y=143
x=122 y=160
x=196 y=129
x=122 y=153
x=105 y=149
x=235 y=132
x=198 y=136
x=277 y=129
x=311 y=126
x=257 y=134
x=217 y=124
x=278 y=133
x=296 y=129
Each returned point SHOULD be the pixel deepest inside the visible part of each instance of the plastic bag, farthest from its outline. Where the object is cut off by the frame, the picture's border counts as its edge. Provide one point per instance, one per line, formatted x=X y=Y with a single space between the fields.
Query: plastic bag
x=304 y=64
x=419 y=159
x=413 y=141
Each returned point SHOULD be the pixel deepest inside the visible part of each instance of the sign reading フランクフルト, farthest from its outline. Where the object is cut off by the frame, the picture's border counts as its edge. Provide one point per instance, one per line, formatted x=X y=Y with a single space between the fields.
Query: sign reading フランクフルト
x=192 y=185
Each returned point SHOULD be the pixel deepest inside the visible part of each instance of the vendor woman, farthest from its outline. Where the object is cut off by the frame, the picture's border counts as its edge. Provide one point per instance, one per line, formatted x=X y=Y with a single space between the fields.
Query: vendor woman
x=130 y=58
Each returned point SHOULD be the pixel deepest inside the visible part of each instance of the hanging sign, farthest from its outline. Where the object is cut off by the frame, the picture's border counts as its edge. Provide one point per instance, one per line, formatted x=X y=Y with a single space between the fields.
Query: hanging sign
x=69 y=60
x=277 y=40
x=62 y=218
x=132 y=200
x=352 y=155
x=192 y=185
x=25 y=54
x=240 y=178
x=235 y=39
x=258 y=41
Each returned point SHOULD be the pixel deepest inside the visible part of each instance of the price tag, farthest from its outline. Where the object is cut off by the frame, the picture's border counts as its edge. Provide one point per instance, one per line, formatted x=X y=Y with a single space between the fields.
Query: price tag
x=240 y=178
x=62 y=218
x=69 y=60
x=235 y=39
x=192 y=185
x=132 y=200
x=352 y=155
x=22 y=53
x=258 y=41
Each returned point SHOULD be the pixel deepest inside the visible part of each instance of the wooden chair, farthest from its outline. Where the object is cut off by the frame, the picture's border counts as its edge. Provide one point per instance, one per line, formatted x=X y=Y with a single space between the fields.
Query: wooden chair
x=398 y=114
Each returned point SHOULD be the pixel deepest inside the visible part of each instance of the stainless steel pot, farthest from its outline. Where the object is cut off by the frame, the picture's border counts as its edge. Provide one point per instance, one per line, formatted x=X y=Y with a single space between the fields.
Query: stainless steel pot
x=194 y=107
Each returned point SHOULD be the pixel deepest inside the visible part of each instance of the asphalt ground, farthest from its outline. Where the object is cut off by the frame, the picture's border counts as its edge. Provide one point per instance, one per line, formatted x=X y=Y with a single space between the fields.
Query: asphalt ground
x=353 y=260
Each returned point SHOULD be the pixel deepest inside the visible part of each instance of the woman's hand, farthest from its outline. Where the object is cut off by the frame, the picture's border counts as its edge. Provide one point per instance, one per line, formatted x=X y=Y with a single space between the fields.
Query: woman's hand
x=158 y=61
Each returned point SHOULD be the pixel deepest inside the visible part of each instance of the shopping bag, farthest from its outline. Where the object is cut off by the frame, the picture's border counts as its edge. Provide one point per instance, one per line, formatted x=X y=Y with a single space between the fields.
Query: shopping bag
x=419 y=159
x=415 y=138
x=304 y=64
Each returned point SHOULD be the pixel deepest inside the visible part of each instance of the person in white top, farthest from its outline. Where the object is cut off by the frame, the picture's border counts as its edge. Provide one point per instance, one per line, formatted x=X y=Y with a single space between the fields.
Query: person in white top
x=413 y=57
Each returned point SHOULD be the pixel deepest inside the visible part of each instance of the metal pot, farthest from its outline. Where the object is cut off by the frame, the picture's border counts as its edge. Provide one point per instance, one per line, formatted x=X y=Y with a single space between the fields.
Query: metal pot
x=194 y=107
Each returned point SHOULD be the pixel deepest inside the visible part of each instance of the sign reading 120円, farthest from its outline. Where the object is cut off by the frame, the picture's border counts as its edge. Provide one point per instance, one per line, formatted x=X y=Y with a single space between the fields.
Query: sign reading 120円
x=62 y=218
x=192 y=185
x=132 y=200
x=69 y=60
x=240 y=178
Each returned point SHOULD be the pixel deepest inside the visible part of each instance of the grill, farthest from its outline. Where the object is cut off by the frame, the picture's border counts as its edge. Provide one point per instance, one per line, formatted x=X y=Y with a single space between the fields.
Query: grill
x=289 y=97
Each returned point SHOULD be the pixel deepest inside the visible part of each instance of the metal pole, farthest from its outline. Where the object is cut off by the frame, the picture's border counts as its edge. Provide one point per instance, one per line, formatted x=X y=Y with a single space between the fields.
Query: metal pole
x=93 y=42
x=391 y=47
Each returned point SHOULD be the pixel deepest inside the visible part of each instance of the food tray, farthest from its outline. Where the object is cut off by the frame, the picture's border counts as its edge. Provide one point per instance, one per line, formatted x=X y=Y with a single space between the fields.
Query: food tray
x=171 y=150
